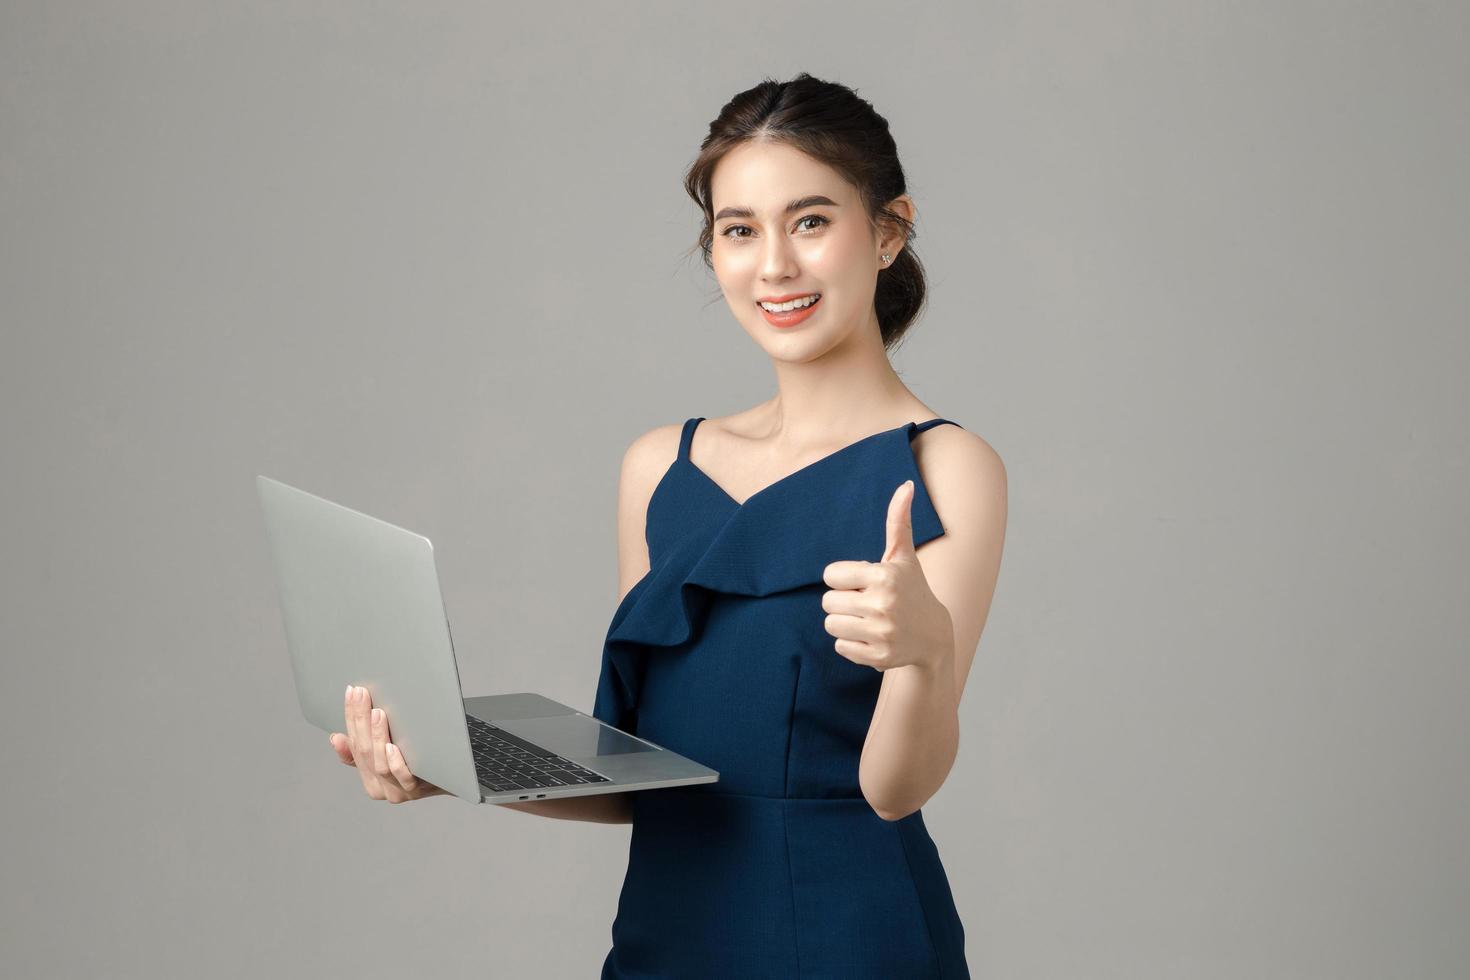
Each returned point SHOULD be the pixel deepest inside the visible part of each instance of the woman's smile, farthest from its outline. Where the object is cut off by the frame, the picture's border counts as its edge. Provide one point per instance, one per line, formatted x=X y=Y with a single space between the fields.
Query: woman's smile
x=784 y=317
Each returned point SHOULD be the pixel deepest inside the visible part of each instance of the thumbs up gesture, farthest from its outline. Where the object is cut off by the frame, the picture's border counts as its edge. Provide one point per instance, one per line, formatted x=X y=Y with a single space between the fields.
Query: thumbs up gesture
x=883 y=613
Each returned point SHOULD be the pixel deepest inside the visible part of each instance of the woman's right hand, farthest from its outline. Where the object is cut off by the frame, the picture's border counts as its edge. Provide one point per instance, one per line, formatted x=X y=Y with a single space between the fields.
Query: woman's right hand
x=384 y=774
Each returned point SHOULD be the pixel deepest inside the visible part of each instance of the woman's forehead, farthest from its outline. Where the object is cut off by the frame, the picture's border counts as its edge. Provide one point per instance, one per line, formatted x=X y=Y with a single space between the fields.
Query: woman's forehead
x=767 y=177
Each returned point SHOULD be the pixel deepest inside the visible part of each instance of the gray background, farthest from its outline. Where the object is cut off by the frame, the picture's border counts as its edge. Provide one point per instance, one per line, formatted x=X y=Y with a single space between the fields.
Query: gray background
x=1199 y=275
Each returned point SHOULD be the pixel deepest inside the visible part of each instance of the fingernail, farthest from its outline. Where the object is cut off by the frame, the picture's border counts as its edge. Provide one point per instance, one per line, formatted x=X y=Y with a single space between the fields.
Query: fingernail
x=348 y=695
x=377 y=716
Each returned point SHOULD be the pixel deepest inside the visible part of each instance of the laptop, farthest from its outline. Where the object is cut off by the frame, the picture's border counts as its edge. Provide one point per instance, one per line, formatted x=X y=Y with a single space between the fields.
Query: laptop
x=361 y=603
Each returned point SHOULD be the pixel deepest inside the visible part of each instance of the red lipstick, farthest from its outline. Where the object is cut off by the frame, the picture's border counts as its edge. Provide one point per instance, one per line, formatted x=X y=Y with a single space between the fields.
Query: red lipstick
x=792 y=318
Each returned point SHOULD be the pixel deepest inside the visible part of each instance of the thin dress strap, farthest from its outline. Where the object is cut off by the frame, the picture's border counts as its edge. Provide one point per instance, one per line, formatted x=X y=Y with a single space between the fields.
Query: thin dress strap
x=687 y=436
x=931 y=423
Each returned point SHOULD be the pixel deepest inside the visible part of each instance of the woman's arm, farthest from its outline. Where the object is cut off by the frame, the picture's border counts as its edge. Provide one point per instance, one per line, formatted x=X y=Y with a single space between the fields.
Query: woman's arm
x=913 y=737
x=644 y=464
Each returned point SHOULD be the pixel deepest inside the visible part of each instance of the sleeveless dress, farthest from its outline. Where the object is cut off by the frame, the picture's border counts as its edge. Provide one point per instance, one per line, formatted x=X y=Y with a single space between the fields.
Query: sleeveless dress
x=781 y=868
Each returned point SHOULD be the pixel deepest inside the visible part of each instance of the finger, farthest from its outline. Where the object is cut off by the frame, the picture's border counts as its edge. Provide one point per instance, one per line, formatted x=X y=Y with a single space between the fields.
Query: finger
x=851 y=574
x=399 y=767
x=343 y=748
x=900 y=533
x=856 y=651
x=349 y=715
x=362 y=743
x=380 y=742
x=854 y=628
x=392 y=791
x=847 y=602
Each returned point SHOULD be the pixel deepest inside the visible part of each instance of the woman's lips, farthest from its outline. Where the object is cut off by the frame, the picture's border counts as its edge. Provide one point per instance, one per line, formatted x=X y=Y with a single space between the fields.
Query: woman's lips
x=789 y=319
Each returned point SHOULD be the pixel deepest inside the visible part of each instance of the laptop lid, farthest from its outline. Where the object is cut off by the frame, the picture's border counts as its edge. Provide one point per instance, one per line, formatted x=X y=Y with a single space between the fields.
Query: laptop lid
x=361 y=604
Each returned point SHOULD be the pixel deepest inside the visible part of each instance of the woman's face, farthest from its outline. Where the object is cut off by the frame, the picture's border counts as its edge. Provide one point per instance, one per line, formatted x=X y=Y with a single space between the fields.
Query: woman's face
x=761 y=250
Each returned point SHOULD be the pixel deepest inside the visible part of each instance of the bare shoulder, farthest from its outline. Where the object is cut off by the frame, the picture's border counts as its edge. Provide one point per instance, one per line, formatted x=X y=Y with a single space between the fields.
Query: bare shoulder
x=647 y=458
x=965 y=476
x=645 y=462
x=966 y=480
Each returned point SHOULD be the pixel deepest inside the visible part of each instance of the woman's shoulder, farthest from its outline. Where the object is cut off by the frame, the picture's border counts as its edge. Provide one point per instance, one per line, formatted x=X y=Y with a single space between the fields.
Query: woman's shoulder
x=961 y=470
x=958 y=439
x=650 y=454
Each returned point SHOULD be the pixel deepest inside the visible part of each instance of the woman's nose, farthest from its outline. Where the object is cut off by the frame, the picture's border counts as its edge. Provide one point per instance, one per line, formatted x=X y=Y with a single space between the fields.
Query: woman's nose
x=779 y=261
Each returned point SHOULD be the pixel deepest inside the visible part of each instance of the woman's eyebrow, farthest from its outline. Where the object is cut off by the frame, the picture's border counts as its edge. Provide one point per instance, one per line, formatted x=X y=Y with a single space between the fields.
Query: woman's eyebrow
x=811 y=200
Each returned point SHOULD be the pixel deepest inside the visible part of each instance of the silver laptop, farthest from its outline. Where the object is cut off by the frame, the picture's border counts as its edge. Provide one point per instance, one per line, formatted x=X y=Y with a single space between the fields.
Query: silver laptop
x=361 y=604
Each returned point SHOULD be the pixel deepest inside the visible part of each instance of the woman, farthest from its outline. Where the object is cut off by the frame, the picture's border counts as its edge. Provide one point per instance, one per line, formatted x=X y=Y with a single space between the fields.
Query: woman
x=776 y=621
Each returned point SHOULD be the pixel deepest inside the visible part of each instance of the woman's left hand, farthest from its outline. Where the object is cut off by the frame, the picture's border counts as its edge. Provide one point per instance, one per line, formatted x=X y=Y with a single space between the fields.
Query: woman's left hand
x=883 y=613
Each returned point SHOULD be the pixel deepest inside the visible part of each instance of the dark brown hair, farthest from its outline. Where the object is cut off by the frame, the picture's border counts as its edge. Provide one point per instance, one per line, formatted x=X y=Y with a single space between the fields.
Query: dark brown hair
x=829 y=122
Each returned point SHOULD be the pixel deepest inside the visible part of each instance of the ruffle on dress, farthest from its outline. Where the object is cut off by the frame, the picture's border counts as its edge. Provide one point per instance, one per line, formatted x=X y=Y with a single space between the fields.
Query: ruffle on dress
x=781 y=538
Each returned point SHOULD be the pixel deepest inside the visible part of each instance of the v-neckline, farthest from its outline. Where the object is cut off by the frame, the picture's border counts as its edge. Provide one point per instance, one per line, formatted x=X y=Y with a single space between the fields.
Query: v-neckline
x=741 y=504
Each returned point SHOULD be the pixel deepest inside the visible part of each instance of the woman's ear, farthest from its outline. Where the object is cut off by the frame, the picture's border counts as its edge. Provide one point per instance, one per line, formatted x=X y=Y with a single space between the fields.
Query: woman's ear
x=894 y=238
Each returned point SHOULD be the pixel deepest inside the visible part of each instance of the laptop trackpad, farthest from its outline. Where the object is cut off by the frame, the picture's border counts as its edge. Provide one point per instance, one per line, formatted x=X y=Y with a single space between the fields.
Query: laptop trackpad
x=573 y=736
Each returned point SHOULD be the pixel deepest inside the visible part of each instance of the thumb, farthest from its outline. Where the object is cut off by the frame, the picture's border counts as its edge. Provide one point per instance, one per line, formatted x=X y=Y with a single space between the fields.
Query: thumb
x=344 y=748
x=900 y=542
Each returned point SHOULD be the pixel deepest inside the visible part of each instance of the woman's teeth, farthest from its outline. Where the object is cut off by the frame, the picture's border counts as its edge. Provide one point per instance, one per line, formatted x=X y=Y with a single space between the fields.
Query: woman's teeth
x=795 y=304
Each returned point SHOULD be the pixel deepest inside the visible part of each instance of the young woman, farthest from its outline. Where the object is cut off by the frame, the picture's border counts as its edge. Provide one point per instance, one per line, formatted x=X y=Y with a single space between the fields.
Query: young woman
x=777 y=621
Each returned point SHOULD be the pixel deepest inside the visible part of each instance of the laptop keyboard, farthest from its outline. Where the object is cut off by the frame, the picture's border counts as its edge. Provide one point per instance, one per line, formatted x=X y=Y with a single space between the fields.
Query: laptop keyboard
x=505 y=762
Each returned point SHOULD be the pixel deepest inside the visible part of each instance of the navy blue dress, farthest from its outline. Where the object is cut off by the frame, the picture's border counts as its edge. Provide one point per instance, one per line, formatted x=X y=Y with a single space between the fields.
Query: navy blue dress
x=780 y=869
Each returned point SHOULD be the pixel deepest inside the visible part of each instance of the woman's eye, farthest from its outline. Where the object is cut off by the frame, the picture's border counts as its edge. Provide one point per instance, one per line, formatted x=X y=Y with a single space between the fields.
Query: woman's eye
x=799 y=224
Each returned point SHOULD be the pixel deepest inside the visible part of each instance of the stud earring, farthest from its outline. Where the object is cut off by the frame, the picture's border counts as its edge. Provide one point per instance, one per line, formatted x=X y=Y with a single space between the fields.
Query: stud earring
x=887 y=258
